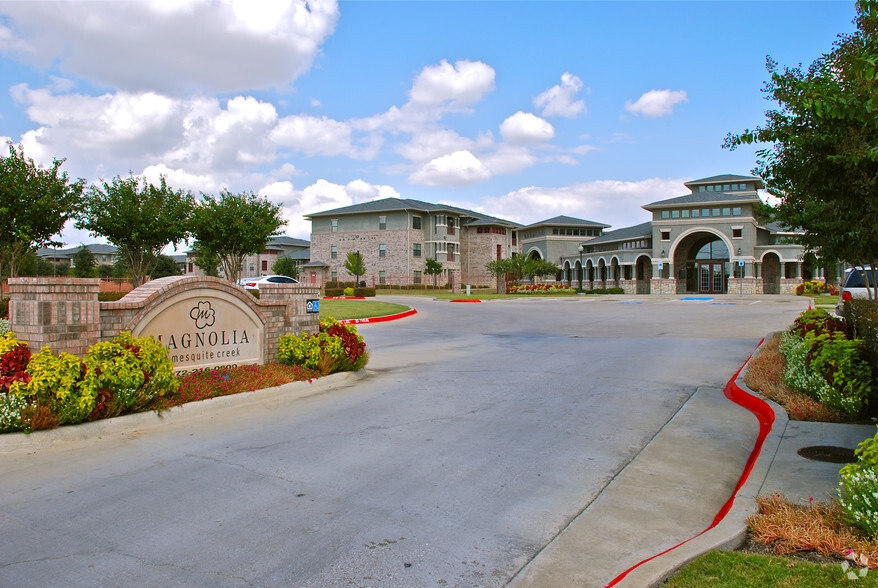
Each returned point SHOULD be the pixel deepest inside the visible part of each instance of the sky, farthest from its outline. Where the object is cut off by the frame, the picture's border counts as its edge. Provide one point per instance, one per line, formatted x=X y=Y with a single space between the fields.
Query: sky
x=519 y=110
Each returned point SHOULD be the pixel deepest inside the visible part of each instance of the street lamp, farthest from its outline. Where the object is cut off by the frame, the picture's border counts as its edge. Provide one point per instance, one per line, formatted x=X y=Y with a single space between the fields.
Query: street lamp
x=581 y=269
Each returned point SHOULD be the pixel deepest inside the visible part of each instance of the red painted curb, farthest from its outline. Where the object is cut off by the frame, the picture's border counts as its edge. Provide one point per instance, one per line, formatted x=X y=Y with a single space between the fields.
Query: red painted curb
x=344 y=297
x=464 y=301
x=765 y=415
x=379 y=319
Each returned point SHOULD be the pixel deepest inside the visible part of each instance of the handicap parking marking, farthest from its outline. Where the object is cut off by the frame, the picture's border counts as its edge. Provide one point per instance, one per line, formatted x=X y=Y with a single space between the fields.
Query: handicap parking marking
x=723 y=303
x=630 y=302
x=696 y=299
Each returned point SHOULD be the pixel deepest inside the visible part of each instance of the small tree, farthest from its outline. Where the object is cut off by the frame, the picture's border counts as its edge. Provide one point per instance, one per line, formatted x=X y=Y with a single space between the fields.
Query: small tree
x=165 y=266
x=355 y=266
x=206 y=260
x=286 y=266
x=235 y=226
x=433 y=268
x=138 y=217
x=35 y=202
x=84 y=263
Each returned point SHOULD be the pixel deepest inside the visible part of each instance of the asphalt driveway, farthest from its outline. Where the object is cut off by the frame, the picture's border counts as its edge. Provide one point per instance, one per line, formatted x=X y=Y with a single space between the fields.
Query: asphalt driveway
x=478 y=432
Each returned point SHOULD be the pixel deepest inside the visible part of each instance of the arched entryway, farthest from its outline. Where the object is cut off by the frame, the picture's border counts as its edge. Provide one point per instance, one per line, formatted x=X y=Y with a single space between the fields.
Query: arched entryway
x=701 y=262
x=643 y=274
x=771 y=273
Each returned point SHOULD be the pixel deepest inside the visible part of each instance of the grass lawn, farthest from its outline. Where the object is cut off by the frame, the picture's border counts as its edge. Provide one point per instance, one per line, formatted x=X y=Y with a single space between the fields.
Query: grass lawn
x=355 y=309
x=747 y=570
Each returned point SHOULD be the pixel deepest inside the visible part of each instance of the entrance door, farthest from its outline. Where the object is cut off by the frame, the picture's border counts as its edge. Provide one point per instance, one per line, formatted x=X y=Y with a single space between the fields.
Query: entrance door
x=710 y=278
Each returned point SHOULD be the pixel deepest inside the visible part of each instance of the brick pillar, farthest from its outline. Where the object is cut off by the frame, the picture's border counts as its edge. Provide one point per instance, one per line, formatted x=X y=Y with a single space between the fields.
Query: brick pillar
x=62 y=313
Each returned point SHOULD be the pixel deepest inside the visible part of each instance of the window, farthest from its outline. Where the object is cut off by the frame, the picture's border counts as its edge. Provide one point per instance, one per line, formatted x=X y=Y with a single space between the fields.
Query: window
x=416 y=222
x=684 y=213
x=334 y=225
x=675 y=214
x=737 y=232
x=727 y=212
x=666 y=234
x=265 y=265
x=696 y=213
x=382 y=250
x=252 y=268
x=701 y=188
x=736 y=211
x=714 y=212
x=333 y=276
x=382 y=223
x=333 y=252
x=666 y=214
x=725 y=187
x=705 y=212
x=382 y=277
x=416 y=250
x=417 y=278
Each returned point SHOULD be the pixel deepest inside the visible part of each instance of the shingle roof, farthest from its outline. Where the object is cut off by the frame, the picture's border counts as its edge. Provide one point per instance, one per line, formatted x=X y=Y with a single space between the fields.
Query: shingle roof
x=704 y=198
x=284 y=240
x=723 y=178
x=623 y=234
x=567 y=221
x=391 y=204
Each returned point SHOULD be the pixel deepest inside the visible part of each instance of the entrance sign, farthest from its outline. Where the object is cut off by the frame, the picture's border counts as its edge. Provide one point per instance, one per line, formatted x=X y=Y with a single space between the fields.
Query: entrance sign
x=205 y=328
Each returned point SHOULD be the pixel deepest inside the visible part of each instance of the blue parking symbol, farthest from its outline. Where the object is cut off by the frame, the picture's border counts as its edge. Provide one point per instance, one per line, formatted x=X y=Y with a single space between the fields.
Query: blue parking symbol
x=312 y=306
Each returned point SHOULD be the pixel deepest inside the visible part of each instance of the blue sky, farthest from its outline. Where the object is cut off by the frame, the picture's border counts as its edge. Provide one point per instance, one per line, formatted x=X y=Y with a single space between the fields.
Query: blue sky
x=521 y=110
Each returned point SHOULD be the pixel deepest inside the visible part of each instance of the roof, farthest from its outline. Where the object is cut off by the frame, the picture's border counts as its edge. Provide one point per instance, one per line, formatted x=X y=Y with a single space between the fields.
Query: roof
x=723 y=179
x=299 y=254
x=289 y=241
x=705 y=198
x=395 y=204
x=96 y=248
x=623 y=234
x=567 y=221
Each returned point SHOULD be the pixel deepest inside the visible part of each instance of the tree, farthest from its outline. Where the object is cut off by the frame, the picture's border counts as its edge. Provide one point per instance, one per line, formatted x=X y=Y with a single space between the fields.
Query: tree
x=520 y=266
x=165 y=266
x=235 y=226
x=822 y=162
x=286 y=266
x=138 y=217
x=84 y=263
x=208 y=261
x=433 y=268
x=35 y=202
x=355 y=266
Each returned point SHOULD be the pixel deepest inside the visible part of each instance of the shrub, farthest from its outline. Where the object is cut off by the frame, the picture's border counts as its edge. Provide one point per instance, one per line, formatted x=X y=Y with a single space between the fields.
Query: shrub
x=4 y=308
x=348 y=291
x=333 y=292
x=4 y=326
x=858 y=498
x=335 y=347
x=110 y=296
x=365 y=292
x=816 y=287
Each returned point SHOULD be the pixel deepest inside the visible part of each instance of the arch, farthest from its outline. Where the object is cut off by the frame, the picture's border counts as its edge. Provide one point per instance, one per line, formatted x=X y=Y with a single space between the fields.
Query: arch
x=701 y=261
x=535 y=253
x=643 y=274
x=682 y=236
x=772 y=272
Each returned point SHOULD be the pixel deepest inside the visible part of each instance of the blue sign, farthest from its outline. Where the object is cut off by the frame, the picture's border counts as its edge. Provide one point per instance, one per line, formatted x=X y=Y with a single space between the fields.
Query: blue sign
x=312 y=306
x=740 y=263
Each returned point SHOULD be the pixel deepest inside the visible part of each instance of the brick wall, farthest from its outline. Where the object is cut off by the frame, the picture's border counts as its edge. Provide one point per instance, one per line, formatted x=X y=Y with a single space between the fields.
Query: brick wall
x=64 y=313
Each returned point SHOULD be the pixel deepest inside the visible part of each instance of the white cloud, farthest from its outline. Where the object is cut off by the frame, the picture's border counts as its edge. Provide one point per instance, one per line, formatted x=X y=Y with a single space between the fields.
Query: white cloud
x=313 y=136
x=432 y=143
x=656 y=103
x=612 y=202
x=508 y=159
x=560 y=100
x=464 y=83
x=319 y=196
x=524 y=127
x=460 y=168
x=169 y=47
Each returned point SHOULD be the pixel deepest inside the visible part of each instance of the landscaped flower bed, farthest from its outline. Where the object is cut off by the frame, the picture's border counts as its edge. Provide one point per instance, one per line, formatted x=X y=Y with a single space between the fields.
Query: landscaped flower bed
x=816 y=287
x=44 y=390
x=539 y=289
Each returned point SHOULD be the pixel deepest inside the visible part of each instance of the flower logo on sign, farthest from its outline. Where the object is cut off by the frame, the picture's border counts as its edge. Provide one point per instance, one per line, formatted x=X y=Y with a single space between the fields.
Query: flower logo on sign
x=203 y=315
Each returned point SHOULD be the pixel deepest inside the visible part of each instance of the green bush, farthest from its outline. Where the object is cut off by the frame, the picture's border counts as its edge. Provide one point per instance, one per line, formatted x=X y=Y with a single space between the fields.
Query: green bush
x=4 y=308
x=858 y=498
x=862 y=316
x=110 y=296
x=336 y=347
x=348 y=291
x=366 y=292
x=4 y=326
x=332 y=292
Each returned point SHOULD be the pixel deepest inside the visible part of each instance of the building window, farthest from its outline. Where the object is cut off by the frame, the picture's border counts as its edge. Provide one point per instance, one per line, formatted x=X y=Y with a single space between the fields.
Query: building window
x=333 y=252
x=265 y=265
x=737 y=232
x=417 y=278
x=675 y=214
x=382 y=277
x=334 y=223
x=252 y=268
x=705 y=212
x=416 y=222
x=191 y=268
x=382 y=250
x=696 y=213
x=382 y=223
x=666 y=214
x=727 y=212
x=416 y=250
x=666 y=235
x=714 y=212
x=736 y=211
x=333 y=276
x=684 y=213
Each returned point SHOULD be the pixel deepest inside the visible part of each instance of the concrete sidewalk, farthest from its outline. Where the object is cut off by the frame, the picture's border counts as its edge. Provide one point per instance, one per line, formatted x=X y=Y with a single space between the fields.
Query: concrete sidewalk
x=660 y=506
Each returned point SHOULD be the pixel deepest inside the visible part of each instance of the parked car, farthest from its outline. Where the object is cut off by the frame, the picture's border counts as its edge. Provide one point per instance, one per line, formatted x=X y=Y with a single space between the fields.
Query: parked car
x=854 y=287
x=254 y=282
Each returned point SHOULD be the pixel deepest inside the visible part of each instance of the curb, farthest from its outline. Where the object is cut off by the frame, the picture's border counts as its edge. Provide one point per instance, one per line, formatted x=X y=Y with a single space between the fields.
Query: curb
x=132 y=425
x=379 y=319
x=729 y=528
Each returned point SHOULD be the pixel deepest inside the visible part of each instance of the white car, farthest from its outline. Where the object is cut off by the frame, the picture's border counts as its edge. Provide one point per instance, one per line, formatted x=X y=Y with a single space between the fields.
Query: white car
x=254 y=282
x=854 y=287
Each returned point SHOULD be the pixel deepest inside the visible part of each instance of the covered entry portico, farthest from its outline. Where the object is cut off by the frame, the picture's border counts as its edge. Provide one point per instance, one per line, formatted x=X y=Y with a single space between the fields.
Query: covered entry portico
x=702 y=262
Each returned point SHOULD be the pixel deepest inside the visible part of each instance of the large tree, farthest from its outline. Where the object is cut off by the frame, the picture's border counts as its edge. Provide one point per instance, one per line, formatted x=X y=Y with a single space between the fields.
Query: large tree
x=35 y=202
x=84 y=263
x=822 y=161
x=521 y=266
x=286 y=266
x=138 y=217
x=433 y=267
x=234 y=226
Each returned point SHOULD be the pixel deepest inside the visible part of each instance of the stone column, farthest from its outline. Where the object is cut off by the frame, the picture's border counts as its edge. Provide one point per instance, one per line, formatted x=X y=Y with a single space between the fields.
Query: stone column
x=61 y=313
